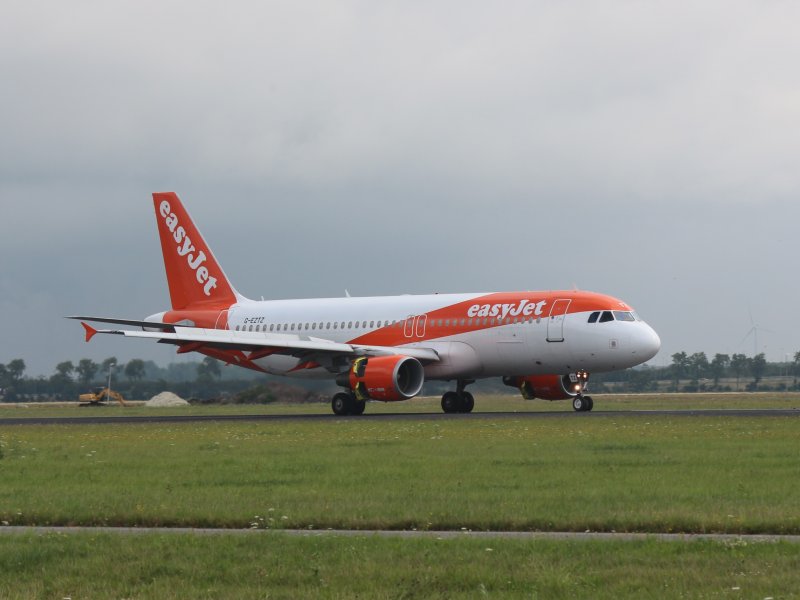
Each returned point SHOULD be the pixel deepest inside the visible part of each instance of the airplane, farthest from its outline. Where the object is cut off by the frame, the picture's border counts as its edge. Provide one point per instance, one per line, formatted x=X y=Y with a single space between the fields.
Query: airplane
x=544 y=343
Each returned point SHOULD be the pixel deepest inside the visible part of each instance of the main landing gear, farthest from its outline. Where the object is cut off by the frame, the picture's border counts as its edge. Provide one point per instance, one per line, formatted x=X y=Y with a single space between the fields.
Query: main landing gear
x=345 y=403
x=582 y=403
x=460 y=401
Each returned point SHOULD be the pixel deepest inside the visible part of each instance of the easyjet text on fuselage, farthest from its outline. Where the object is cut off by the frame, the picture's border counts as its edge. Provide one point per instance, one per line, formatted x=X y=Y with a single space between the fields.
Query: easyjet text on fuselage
x=526 y=308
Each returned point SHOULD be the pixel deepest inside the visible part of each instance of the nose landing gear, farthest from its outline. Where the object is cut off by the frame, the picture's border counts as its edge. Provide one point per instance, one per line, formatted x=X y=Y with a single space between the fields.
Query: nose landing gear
x=582 y=403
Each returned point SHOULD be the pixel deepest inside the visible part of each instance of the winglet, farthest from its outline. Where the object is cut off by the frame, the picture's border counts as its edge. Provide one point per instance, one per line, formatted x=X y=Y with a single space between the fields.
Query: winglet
x=90 y=331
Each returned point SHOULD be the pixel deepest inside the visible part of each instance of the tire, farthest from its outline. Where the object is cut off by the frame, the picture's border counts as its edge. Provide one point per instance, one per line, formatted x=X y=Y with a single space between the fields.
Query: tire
x=358 y=407
x=589 y=403
x=450 y=403
x=578 y=404
x=343 y=404
x=467 y=402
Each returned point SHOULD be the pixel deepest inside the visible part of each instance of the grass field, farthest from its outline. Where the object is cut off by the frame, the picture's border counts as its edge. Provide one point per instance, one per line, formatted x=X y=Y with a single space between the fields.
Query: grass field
x=274 y=566
x=643 y=473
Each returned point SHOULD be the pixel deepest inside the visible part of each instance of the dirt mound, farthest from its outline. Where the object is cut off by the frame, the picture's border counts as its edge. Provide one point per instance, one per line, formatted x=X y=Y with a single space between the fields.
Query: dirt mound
x=166 y=399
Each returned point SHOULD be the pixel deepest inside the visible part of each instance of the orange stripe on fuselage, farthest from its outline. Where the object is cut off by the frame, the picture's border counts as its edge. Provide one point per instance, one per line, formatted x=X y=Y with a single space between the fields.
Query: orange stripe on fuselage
x=501 y=306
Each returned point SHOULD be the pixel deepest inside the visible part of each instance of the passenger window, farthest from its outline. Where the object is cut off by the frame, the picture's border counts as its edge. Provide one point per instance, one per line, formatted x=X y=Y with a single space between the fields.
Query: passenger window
x=606 y=316
x=593 y=317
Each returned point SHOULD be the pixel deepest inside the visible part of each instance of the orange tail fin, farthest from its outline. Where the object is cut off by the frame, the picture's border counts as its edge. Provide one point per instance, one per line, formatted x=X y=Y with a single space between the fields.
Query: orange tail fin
x=194 y=276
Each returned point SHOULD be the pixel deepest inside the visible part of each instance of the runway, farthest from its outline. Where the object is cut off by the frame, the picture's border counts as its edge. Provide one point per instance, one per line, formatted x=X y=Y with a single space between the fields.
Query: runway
x=620 y=414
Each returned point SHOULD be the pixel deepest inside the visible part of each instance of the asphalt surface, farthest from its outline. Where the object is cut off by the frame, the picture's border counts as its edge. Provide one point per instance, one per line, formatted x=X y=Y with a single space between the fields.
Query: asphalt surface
x=440 y=535
x=132 y=420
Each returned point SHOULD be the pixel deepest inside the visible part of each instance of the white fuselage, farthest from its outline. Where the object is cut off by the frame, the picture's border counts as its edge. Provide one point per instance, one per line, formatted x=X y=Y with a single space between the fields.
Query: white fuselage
x=475 y=335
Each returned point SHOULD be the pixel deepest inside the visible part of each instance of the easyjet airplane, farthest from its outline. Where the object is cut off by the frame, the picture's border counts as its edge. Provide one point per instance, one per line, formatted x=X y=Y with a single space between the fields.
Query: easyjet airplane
x=384 y=348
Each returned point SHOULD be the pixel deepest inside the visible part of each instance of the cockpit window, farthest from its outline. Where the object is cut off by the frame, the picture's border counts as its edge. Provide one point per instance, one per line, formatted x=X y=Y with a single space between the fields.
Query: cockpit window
x=593 y=317
x=622 y=315
x=606 y=316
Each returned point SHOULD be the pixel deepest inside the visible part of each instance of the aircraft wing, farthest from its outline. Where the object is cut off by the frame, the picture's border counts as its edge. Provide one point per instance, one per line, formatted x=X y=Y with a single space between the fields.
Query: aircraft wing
x=258 y=344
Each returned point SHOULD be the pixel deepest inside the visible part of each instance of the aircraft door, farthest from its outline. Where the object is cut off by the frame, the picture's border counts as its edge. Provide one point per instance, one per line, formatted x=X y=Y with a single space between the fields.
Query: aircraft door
x=222 y=320
x=555 y=322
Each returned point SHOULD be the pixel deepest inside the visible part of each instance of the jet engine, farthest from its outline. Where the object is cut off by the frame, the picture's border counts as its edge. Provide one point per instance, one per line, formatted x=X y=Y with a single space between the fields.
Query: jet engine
x=548 y=387
x=386 y=378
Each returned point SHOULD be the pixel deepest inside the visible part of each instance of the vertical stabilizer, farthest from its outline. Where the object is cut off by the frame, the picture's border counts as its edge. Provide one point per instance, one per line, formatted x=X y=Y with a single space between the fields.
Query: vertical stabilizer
x=194 y=276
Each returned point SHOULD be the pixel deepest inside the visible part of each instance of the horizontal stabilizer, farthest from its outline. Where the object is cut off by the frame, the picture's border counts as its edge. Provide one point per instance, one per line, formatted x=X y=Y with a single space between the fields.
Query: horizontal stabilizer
x=129 y=322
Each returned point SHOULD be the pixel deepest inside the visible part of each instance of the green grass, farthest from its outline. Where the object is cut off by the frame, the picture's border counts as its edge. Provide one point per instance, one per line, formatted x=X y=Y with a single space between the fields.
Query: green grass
x=660 y=474
x=86 y=565
x=644 y=473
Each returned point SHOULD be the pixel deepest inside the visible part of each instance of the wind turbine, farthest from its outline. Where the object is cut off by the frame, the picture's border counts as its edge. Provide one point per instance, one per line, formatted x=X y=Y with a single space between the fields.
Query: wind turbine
x=754 y=332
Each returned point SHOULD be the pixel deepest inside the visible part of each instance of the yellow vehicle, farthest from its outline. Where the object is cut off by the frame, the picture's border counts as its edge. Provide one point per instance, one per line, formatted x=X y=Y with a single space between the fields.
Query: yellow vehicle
x=99 y=396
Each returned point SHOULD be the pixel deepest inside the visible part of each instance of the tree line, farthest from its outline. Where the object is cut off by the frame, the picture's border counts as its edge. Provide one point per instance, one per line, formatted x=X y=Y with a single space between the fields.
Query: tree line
x=204 y=380
x=696 y=373
x=135 y=378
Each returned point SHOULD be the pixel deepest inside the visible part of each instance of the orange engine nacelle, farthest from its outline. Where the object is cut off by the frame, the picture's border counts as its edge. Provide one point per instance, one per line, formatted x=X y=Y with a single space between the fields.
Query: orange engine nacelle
x=546 y=387
x=386 y=378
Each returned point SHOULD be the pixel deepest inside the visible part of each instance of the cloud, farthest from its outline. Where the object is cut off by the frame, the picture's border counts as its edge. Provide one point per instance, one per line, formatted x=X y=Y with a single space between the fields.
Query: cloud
x=645 y=151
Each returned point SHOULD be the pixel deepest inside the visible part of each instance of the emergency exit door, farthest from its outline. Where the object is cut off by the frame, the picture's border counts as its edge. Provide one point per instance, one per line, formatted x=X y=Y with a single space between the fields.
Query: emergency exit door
x=555 y=322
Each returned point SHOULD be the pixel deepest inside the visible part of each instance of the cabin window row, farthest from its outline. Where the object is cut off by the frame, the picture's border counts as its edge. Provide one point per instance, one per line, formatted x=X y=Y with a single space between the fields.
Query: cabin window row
x=472 y=322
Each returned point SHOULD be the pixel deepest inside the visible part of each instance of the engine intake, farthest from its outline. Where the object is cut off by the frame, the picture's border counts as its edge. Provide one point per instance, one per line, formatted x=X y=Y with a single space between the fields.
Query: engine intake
x=387 y=378
x=547 y=387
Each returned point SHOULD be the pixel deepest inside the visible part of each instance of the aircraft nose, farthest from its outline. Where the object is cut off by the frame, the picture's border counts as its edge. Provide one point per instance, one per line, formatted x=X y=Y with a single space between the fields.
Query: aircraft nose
x=648 y=343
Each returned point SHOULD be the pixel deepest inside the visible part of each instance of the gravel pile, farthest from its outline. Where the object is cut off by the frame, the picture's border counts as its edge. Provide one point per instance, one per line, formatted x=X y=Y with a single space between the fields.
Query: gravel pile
x=166 y=399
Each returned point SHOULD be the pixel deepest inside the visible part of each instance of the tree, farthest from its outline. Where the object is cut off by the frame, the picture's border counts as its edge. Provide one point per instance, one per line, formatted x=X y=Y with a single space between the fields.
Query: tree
x=61 y=381
x=208 y=369
x=679 y=364
x=86 y=371
x=698 y=365
x=15 y=369
x=65 y=369
x=796 y=367
x=718 y=366
x=134 y=370
x=738 y=366
x=758 y=364
x=108 y=363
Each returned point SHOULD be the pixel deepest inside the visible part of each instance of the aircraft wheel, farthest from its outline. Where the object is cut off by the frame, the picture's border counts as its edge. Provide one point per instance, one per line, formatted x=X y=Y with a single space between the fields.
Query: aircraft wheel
x=343 y=404
x=589 y=403
x=579 y=403
x=450 y=402
x=359 y=406
x=467 y=402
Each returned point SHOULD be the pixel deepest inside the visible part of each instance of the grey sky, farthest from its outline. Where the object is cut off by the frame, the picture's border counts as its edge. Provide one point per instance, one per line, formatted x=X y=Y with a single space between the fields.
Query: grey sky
x=646 y=151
